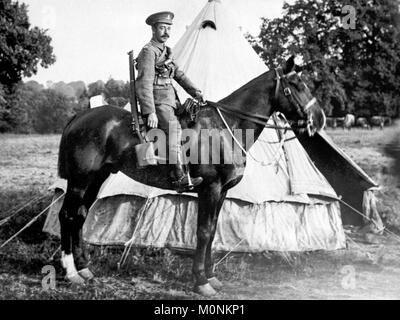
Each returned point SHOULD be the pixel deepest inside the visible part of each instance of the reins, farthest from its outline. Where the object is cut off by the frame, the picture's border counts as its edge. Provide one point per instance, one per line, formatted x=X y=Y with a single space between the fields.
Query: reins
x=274 y=160
x=255 y=118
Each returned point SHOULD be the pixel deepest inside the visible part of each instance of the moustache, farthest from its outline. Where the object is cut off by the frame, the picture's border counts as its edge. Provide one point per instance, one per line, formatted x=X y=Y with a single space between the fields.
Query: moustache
x=165 y=36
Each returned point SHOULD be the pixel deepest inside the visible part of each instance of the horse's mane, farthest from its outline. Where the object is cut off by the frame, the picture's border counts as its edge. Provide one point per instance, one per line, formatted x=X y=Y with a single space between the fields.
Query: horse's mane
x=246 y=86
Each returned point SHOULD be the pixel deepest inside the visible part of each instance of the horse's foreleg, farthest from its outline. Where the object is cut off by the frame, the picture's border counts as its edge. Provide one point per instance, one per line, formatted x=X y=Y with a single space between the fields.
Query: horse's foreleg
x=209 y=260
x=78 y=248
x=208 y=203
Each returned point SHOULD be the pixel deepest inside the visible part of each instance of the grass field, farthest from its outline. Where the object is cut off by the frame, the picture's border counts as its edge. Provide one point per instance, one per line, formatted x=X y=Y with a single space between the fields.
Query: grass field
x=29 y=166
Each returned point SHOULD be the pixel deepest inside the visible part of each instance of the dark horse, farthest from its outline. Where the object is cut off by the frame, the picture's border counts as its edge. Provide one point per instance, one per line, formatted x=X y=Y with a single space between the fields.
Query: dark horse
x=100 y=141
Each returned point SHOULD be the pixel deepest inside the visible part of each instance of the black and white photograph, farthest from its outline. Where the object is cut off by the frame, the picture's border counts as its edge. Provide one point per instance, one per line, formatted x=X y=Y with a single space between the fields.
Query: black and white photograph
x=206 y=150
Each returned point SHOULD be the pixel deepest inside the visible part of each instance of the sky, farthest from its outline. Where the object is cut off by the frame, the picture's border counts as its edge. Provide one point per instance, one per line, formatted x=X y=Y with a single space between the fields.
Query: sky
x=91 y=38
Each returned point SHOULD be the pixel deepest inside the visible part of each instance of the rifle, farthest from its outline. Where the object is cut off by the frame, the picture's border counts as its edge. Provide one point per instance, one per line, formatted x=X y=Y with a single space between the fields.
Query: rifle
x=133 y=98
x=144 y=150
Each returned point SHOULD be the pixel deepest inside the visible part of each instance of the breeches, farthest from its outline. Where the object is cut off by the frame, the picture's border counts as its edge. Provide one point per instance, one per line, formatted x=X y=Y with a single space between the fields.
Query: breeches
x=169 y=123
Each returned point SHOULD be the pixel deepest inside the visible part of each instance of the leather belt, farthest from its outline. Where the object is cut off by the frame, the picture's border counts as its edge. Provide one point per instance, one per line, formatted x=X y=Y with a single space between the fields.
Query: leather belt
x=162 y=81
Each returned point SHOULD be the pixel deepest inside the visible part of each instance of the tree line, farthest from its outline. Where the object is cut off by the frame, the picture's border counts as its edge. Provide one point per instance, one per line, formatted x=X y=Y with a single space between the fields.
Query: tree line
x=33 y=108
x=355 y=66
x=352 y=47
x=29 y=107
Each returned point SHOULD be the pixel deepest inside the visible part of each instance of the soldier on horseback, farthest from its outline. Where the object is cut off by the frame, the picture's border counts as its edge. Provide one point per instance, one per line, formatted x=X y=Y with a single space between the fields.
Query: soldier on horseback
x=157 y=96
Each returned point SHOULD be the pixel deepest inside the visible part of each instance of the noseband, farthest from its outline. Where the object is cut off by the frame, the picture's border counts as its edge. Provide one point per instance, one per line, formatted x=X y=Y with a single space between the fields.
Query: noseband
x=301 y=110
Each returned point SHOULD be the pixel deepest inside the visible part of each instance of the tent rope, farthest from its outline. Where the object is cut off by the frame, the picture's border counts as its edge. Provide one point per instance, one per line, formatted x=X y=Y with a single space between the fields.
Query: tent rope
x=229 y=252
x=14 y=211
x=31 y=222
x=367 y=253
x=54 y=253
x=129 y=244
x=369 y=219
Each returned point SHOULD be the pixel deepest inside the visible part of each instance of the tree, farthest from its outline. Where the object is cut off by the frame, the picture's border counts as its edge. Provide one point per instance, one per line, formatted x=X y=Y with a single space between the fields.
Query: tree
x=116 y=92
x=357 y=66
x=34 y=85
x=4 y=112
x=65 y=89
x=22 y=47
x=52 y=111
x=114 y=88
x=96 y=88
x=79 y=88
x=31 y=109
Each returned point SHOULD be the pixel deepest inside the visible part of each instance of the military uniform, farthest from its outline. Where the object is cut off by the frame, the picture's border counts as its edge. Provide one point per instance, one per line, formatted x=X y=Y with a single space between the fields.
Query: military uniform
x=154 y=88
x=155 y=92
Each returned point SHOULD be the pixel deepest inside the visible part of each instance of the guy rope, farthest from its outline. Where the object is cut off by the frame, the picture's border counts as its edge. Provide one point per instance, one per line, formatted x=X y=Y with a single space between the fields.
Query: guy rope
x=31 y=222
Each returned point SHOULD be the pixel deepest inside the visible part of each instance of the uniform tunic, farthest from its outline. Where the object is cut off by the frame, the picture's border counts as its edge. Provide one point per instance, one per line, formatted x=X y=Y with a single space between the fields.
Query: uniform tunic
x=155 y=91
x=154 y=80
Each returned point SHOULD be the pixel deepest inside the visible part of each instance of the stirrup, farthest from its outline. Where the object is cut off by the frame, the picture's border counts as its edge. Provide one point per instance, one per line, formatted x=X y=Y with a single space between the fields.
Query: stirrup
x=181 y=185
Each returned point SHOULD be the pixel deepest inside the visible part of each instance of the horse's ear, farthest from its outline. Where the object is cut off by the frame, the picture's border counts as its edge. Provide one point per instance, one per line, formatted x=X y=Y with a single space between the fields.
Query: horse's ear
x=289 y=65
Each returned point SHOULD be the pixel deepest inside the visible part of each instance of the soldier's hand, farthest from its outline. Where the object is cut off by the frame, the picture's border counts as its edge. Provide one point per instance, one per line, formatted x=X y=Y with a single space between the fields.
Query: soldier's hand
x=152 y=121
x=199 y=96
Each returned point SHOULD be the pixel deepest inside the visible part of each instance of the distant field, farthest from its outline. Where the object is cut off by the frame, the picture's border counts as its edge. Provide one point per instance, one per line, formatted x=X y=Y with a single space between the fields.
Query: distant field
x=378 y=153
x=29 y=166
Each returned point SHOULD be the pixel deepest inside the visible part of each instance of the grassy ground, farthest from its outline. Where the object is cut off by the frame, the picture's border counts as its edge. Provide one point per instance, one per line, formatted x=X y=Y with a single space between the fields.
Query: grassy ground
x=362 y=271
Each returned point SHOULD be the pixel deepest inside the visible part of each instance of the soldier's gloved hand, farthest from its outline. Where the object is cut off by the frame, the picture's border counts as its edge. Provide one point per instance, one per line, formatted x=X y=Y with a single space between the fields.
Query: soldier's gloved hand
x=152 y=121
x=199 y=96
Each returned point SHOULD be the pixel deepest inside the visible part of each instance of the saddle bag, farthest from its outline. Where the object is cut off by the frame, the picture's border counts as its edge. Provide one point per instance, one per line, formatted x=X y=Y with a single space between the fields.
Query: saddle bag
x=145 y=154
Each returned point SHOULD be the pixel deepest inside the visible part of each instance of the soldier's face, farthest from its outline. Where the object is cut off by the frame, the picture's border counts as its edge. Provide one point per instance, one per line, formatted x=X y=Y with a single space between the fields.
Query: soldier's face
x=161 y=32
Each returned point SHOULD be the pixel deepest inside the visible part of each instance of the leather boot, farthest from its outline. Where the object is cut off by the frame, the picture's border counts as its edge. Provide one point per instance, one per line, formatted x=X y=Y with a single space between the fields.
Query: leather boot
x=183 y=182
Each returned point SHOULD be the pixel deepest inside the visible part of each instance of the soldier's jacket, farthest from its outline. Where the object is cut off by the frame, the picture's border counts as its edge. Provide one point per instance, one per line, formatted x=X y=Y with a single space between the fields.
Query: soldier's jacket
x=156 y=69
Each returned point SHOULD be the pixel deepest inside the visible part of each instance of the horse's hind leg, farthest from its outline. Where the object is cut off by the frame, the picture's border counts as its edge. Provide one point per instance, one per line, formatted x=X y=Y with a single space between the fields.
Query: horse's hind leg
x=67 y=216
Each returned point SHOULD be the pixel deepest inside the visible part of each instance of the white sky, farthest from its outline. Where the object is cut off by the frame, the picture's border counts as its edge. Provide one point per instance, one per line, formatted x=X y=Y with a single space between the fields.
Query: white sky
x=91 y=38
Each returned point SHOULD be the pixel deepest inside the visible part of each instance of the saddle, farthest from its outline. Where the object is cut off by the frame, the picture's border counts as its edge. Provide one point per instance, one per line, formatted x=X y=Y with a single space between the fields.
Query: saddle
x=189 y=111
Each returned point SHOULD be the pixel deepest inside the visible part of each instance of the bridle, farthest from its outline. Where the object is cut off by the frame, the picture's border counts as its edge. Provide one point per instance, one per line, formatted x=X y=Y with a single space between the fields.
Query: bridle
x=263 y=120
x=281 y=81
x=301 y=110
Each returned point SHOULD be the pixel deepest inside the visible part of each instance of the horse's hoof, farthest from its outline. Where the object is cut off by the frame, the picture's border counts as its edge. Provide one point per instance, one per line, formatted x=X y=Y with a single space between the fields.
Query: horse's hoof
x=75 y=279
x=215 y=283
x=86 y=274
x=205 y=290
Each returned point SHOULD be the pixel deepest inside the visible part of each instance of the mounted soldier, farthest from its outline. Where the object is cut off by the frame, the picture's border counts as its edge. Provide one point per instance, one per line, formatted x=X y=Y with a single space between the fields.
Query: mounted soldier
x=157 y=97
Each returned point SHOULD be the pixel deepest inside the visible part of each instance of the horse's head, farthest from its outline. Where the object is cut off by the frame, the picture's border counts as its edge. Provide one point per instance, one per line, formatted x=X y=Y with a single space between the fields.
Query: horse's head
x=294 y=99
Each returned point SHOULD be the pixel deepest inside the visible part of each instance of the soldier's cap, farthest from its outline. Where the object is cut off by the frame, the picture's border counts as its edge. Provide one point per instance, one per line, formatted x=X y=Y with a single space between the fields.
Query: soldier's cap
x=160 y=17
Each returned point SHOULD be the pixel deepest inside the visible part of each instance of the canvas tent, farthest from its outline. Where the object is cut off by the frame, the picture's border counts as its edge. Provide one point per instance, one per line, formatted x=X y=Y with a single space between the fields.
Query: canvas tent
x=350 y=182
x=283 y=202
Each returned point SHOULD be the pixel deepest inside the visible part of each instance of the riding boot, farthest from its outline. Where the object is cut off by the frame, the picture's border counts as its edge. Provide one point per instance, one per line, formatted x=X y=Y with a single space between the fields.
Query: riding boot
x=183 y=182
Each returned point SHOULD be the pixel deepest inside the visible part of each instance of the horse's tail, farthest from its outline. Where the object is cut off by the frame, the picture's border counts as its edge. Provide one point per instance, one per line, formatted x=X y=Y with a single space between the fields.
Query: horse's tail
x=62 y=152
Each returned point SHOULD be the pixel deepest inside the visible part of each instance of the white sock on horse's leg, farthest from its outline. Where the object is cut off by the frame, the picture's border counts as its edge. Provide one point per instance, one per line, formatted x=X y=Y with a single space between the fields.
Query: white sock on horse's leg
x=67 y=261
